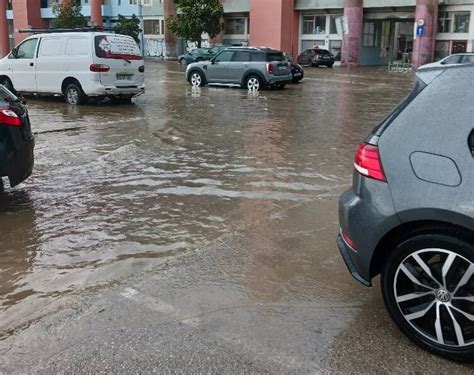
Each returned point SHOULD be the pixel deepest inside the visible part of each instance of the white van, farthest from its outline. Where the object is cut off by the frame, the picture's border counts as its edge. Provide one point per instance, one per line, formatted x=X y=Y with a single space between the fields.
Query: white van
x=77 y=65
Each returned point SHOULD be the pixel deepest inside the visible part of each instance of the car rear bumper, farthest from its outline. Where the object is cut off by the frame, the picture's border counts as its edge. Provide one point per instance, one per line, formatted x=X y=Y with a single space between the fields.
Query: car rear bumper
x=19 y=167
x=366 y=215
x=101 y=90
x=281 y=80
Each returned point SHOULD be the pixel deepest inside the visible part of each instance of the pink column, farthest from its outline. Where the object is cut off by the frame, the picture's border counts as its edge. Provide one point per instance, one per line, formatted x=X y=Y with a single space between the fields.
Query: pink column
x=96 y=12
x=424 y=47
x=27 y=14
x=354 y=11
x=169 y=9
x=4 y=38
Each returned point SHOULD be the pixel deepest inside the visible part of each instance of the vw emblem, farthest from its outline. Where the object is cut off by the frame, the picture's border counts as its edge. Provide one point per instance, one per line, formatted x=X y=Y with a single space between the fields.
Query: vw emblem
x=443 y=295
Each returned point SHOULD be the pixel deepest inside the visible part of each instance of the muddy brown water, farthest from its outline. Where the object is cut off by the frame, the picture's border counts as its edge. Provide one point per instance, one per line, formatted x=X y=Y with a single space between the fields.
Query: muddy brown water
x=116 y=189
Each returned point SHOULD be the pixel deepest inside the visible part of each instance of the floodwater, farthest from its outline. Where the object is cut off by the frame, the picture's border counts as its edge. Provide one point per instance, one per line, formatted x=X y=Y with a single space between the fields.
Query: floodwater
x=119 y=189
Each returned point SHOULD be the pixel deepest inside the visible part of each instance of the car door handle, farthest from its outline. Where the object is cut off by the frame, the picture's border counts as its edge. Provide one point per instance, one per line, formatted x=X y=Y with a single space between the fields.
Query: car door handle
x=31 y=64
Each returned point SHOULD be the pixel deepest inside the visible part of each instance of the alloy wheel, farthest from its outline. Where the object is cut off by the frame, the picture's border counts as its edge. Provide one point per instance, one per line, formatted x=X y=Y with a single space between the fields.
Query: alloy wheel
x=72 y=95
x=196 y=79
x=253 y=84
x=434 y=291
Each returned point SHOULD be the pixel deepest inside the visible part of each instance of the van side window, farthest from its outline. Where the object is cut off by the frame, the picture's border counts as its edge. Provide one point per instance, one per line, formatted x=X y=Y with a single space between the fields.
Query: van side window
x=50 y=47
x=77 y=47
x=27 y=49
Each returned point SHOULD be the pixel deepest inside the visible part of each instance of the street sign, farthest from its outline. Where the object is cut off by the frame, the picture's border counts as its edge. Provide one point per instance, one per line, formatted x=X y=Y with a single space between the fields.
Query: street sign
x=420 y=22
x=420 y=31
x=342 y=26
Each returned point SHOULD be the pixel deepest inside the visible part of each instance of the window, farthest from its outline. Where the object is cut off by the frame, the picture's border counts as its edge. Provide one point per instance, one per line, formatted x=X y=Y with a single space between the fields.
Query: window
x=461 y=22
x=77 y=47
x=332 y=23
x=467 y=59
x=133 y=2
x=314 y=24
x=275 y=56
x=369 y=34
x=146 y=2
x=453 y=22
x=241 y=56
x=234 y=26
x=451 y=60
x=258 y=57
x=50 y=47
x=153 y=27
x=26 y=50
x=224 y=56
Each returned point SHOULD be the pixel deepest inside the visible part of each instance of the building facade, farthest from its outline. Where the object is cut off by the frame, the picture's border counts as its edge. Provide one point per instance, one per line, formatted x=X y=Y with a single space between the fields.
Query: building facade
x=380 y=31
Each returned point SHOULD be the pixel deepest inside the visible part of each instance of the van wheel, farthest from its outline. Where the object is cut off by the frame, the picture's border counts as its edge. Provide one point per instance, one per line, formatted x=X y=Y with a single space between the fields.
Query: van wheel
x=428 y=289
x=74 y=94
x=8 y=84
x=253 y=83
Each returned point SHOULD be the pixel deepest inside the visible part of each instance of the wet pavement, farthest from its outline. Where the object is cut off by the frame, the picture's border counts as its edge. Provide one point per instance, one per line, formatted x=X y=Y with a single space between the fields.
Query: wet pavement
x=194 y=231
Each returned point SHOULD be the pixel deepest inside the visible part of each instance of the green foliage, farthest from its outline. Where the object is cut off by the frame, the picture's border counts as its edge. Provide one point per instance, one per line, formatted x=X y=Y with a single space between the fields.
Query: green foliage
x=128 y=26
x=68 y=14
x=196 y=17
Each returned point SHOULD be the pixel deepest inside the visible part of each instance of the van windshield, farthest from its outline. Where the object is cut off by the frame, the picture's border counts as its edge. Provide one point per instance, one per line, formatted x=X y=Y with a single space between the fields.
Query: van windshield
x=117 y=47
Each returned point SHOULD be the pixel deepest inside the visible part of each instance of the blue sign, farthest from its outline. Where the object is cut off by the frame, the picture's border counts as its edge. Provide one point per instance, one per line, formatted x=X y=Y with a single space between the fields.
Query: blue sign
x=420 y=31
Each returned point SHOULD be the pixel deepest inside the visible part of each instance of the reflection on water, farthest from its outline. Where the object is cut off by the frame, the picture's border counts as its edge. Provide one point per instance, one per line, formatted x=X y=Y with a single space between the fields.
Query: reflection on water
x=117 y=189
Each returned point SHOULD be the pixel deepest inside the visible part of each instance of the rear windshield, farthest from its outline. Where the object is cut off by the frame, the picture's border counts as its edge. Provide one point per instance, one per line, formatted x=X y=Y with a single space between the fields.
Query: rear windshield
x=419 y=86
x=117 y=47
x=275 y=56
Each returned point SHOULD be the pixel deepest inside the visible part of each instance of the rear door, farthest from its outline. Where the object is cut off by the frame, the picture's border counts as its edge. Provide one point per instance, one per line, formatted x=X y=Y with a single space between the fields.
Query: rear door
x=218 y=72
x=122 y=55
x=23 y=66
x=281 y=66
x=50 y=65
x=239 y=64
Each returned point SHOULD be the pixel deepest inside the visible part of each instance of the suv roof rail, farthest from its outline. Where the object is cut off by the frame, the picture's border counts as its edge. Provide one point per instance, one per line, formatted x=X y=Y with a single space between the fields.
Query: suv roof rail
x=65 y=30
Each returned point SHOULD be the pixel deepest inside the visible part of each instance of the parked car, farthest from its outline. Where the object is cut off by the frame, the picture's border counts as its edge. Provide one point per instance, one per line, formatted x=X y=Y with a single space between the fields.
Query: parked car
x=199 y=54
x=409 y=215
x=316 y=57
x=77 y=65
x=249 y=67
x=297 y=71
x=16 y=140
x=458 y=58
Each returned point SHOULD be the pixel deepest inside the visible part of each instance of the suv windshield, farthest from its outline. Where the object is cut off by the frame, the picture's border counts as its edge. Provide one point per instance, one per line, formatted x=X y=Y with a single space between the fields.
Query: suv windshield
x=275 y=56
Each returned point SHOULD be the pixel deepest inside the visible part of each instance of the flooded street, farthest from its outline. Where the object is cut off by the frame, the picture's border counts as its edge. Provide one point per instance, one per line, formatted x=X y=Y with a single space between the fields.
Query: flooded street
x=196 y=230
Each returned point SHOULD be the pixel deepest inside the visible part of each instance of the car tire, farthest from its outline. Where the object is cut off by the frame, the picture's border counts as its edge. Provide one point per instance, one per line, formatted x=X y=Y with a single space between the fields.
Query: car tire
x=8 y=84
x=196 y=78
x=428 y=289
x=183 y=62
x=74 y=95
x=330 y=65
x=253 y=83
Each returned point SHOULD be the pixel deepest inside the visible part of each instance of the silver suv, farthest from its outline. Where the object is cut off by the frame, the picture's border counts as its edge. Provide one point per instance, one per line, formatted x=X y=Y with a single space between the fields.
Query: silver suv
x=247 y=67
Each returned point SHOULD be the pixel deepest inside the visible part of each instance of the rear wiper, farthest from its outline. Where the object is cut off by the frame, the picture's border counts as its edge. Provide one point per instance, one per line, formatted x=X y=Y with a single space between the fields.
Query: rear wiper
x=121 y=58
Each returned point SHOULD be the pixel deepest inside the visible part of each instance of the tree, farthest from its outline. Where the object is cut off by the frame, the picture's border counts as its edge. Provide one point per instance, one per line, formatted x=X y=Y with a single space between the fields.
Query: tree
x=196 y=17
x=128 y=26
x=69 y=14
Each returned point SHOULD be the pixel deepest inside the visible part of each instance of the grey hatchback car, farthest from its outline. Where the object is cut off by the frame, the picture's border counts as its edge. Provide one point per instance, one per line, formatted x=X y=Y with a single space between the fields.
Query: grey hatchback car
x=409 y=215
x=248 y=67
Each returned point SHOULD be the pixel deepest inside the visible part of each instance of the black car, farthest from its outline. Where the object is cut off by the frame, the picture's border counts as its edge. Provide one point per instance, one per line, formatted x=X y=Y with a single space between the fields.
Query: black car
x=296 y=69
x=316 y=57
x=16 y=140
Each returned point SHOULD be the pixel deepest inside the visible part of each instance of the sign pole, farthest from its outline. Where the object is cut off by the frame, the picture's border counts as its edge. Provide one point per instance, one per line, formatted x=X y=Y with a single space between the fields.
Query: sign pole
x=341 y=20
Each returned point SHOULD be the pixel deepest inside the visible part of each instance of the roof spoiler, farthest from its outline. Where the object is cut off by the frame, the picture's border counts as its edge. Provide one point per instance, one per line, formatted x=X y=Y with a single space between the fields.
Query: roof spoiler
x=65 y=30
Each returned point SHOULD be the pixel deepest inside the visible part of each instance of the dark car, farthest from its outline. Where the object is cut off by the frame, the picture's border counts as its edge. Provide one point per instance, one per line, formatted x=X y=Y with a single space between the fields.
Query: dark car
x=296 y=69
x=199 y=54
x=409 y=215
x=16 y=140
x=316 y=57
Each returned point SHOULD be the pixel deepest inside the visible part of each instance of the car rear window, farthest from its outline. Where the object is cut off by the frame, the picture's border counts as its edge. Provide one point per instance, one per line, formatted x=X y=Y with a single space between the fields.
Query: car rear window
x=275 y=56
x=117 y=47
x=419 y=86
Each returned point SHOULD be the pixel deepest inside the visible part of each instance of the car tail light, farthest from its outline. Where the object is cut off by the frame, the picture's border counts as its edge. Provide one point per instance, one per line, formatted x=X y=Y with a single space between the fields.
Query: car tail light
x=141 y=69
x=368 y=163
x=10 y=118
x=348 y=240
x=99 y=68
x=270 y=69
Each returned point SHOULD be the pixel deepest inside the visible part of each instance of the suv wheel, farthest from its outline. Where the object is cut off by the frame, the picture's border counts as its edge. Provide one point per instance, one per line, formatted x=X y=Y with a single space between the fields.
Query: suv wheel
x=74 y=94
x=196 y=78
x=183 y=62
x=428 y=289
x=253 y=83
